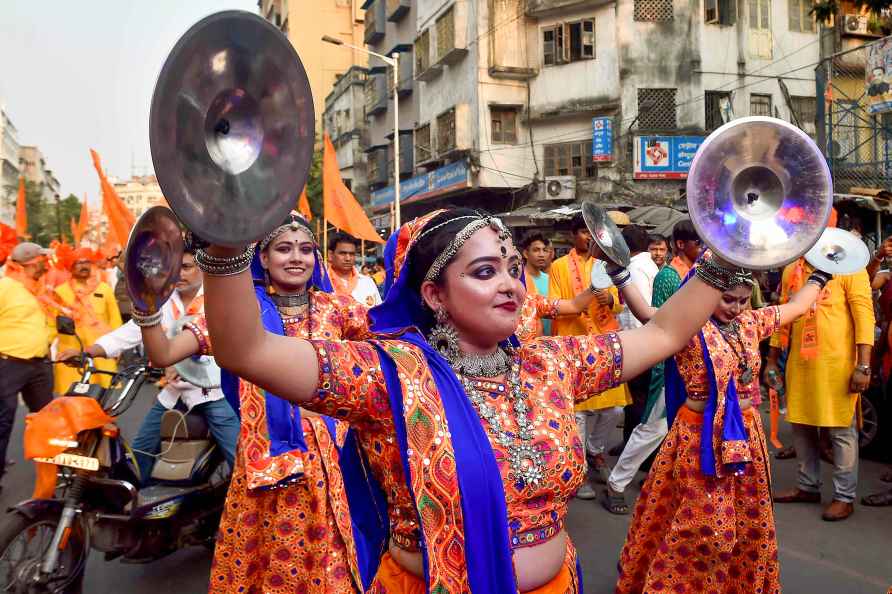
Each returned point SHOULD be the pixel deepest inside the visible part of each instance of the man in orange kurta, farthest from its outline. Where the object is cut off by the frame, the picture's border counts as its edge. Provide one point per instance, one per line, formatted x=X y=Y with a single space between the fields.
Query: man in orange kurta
x=569 y=276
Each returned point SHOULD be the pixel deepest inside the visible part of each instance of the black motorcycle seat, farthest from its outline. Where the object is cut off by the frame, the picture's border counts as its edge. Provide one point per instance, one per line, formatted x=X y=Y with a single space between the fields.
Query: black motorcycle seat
x=173 y=427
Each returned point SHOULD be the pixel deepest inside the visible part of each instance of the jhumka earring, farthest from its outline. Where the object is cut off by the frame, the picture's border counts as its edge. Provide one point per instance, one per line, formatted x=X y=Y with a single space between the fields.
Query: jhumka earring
x=444 y=337
x=267 y=282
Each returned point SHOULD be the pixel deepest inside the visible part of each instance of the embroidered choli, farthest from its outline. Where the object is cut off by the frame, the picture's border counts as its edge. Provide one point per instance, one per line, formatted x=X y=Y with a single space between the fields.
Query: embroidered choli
x=535 y=308
x=754 y=327
x=332 y=317
x=556 y=373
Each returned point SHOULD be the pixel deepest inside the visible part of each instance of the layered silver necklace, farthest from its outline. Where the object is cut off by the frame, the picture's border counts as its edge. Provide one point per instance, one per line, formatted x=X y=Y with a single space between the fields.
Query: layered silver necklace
x=298 y=300
x=526 y=462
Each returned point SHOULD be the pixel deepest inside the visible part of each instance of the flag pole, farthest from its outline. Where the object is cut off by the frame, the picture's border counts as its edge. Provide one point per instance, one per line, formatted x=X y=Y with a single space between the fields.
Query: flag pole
x=362 y=252
x=325 y=241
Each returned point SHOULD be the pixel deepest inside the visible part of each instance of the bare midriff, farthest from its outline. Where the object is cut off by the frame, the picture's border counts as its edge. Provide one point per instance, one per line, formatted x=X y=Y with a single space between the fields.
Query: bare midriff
x=534 y=566
x=700 y=405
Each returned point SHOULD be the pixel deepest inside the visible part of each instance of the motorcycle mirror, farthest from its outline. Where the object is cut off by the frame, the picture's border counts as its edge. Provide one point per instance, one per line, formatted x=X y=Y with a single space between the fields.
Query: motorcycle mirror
x=65 y=325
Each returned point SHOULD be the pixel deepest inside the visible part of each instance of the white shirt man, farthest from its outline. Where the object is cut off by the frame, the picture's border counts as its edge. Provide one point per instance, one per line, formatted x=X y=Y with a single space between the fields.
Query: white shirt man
x=643 y=271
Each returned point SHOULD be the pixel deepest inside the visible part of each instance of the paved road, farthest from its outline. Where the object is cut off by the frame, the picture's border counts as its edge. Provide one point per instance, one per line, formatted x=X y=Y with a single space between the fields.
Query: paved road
x=851 y=557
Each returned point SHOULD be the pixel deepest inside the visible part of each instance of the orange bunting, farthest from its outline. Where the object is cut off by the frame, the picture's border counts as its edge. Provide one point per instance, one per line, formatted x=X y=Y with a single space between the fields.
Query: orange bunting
x=341 y=208
x=21 y=211
x=303 y=205
x=120 y=219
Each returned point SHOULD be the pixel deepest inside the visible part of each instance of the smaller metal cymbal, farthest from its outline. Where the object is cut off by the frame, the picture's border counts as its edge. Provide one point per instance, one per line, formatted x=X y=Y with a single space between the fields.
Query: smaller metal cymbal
x=153 y=259
x=838 y=251
x=606 y=234
x=600 y=278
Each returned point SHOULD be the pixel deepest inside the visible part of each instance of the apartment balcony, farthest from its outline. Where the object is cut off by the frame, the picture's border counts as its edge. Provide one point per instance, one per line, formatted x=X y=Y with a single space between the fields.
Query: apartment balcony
x=374 y=21
x=397 y=9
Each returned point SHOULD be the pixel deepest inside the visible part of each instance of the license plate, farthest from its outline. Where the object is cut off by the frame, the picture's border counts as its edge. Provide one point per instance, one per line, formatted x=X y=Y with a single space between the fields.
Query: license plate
x=72 y=460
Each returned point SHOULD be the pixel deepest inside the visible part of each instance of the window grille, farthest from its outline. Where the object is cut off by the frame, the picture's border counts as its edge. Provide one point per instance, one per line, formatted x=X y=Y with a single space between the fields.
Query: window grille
x=570 y=158
x=656 y=109
x=655 y=11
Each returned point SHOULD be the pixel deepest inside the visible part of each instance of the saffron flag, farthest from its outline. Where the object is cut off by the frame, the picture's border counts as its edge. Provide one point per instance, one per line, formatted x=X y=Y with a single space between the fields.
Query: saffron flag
x=21 y=211
x=75 y=235
x=303 y=205
x=84 y=223
x=8 y=240
x=120 y=219
x=341 y=208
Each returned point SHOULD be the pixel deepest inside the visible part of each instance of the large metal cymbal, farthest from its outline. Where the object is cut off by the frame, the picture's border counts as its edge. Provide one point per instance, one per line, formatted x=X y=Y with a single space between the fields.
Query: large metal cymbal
x=759 y=192
x=232 y=127
x=153 y=259
x=606 y=234
x=838 y=251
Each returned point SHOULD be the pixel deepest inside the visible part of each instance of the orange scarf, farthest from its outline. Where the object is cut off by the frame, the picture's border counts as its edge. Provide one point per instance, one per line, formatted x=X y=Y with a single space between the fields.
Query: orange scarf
x=82 y=309
x=343 y=285
x=604 y=318
x=41 y=291
x=808 y=349
x=196 y=307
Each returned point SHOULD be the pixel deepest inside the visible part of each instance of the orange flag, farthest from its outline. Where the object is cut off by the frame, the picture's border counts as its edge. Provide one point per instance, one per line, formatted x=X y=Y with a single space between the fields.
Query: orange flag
x=21 y=212
x=76 y=237
x=8 y=240
x=84 y=223
x=341 y=208
x=303 y=205
x=120 y=219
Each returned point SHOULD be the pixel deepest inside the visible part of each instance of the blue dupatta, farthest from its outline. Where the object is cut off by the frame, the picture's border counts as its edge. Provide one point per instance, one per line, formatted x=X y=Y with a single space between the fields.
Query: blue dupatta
x=732 y=428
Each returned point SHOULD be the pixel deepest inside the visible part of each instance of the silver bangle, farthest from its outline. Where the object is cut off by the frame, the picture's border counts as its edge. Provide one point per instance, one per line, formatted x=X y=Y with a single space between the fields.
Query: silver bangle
x=621 y=278
x=229 y=266
x=145 y=320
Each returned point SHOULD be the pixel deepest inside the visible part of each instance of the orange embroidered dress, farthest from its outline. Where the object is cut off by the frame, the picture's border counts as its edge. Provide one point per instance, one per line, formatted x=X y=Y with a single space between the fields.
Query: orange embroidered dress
x=535 y=308
x=693 y=533
x=280 y=534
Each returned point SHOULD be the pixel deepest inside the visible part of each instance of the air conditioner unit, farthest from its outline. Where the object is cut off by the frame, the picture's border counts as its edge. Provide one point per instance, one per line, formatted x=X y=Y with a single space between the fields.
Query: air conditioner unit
x=559 y=187
x=856 y=23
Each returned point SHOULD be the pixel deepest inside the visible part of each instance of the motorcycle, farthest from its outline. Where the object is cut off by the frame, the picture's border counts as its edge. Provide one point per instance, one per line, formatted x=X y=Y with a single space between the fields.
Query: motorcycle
x=87 y=493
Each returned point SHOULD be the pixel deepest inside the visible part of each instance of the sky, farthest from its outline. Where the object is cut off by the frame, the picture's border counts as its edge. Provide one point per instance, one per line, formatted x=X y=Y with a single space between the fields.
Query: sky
x=80 y=75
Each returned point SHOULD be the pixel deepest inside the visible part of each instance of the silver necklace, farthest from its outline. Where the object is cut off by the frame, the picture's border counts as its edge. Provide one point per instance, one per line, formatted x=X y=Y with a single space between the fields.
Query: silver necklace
x=732 y=331
x=494 y=364
x=526 y=462
x=298 y=300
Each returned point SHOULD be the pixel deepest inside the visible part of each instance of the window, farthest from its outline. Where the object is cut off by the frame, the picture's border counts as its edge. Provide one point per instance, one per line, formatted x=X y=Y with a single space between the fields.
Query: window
x=799 y=17
x=423 y=150
x=445 y=33
x=760 y=13
x=504 y=124
x=804 y=112
x=719 y=12
x=656 y=109
x=570 y=158
x=716 y=103
x=423 y=52
x=446 y=131
x=654 y=10
x=760 y=105
x=568 y=42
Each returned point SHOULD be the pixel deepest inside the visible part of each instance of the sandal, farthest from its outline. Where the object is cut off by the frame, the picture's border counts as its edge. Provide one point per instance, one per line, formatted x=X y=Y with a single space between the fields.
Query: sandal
x=883 y=499
x=786 y=453
x=615 y=502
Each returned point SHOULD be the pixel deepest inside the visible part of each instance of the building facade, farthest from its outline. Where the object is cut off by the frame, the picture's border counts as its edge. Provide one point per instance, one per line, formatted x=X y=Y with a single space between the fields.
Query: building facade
x=33 y=166
x=139 y=193
x=9 y=168
x=590 y=99
x=304 y=22
x=345 y=123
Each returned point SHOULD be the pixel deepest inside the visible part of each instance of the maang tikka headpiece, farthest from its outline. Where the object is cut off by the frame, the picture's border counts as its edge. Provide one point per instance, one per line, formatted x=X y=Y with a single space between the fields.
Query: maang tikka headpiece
x=477 y=222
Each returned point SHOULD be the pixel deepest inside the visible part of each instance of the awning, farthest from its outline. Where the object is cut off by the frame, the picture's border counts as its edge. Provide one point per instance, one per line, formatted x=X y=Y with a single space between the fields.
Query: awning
x=868 y=198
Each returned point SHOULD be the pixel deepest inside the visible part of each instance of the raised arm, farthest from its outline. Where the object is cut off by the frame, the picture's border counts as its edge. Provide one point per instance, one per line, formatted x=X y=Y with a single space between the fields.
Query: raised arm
x=164 y=351
x=669 y=329
x=799 y=303
x=637 y=304
x=287 y=367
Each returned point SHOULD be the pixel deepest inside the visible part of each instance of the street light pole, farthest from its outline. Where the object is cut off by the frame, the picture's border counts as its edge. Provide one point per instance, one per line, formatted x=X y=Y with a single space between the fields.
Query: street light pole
x=393 y=62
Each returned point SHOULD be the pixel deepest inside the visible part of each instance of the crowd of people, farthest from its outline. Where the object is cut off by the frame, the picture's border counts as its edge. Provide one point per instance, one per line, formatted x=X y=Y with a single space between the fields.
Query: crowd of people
x=420 y=422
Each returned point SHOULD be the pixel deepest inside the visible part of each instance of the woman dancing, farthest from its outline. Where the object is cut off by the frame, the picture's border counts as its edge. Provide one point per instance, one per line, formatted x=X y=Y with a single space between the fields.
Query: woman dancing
x=703 y=521
x=286 y=526
x=471 y=435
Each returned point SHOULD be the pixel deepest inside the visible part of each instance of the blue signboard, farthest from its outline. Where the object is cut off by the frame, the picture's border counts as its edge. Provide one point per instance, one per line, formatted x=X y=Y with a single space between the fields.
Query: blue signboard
x=602 y=139
x=665 y=157
x=445 y=179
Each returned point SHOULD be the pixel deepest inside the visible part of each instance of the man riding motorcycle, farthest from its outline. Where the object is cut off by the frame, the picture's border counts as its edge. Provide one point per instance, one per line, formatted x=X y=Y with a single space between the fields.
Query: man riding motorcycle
x=186 y=300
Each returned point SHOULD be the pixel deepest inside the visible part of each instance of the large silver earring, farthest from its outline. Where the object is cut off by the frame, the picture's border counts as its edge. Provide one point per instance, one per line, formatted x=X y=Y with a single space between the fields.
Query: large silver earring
x=444 y=337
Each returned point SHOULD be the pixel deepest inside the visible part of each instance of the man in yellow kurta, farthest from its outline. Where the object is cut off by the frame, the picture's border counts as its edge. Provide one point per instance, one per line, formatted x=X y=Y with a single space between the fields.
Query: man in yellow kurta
x=95 y=311
x=569 y=276
x=828 y=366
